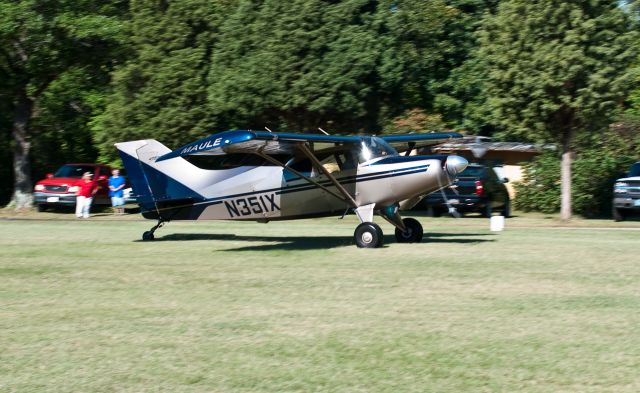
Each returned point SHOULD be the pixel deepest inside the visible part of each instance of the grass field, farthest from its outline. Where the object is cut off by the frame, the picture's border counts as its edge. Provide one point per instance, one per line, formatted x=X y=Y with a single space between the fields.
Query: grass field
x=295 y=307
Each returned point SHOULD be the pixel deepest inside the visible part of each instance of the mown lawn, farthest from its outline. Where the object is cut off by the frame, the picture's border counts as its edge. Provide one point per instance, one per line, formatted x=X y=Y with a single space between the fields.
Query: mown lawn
x=295 y=307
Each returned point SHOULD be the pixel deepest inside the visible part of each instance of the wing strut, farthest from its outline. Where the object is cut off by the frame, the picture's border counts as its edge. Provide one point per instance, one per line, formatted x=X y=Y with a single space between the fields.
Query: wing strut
x=348 y=198
x=297 y=173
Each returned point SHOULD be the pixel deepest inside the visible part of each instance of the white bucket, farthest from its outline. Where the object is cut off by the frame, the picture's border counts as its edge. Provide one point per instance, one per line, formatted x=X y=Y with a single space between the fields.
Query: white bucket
x=497 y=223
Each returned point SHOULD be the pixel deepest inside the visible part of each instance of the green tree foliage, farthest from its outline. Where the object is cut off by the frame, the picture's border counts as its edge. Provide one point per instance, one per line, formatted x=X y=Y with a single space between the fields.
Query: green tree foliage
x=416 y=120
x=539 y=189
x=557 y=70
x=348 y=65
x=296 y=65
x=460 y=97
x=161 y=91
x=40 y=43
x=64 y=112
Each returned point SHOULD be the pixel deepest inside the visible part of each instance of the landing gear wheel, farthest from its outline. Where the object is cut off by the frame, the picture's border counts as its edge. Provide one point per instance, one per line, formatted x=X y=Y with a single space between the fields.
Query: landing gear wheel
x=368 y=235
x=413 y=234
x=148 y=235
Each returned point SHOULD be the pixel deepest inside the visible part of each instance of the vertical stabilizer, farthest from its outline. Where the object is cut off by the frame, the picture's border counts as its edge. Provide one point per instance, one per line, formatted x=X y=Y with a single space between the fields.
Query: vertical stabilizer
x=157 y=183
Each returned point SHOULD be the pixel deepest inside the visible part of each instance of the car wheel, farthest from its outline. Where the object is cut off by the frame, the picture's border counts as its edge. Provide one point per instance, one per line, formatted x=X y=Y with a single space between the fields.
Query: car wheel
x=506 y=209
x=40 y=207
x=618 y=214
x=487 y=211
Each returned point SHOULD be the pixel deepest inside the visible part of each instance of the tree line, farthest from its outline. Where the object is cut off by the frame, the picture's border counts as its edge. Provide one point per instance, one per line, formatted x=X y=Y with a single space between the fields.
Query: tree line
x=79 y=75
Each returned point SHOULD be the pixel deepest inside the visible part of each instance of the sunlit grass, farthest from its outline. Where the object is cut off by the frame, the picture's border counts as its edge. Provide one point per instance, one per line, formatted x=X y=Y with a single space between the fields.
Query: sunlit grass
x=294 y=306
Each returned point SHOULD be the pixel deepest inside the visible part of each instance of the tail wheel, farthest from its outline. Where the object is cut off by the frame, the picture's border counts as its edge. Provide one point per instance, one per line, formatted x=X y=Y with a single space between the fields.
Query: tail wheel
x=413 y=234
x=147 y=236
x=368 y=235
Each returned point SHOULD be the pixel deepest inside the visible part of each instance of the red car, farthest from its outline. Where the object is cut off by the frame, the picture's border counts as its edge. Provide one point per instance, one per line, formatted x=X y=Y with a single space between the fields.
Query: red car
x=59 y=188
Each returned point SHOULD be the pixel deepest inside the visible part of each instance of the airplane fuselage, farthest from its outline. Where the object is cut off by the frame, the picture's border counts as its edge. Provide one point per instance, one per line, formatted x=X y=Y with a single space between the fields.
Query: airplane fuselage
x=264 y=193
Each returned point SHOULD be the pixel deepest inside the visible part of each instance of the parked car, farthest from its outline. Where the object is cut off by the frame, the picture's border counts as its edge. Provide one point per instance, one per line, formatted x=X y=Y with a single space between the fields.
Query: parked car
x=59 y=189
x=477 y=189
x=626 y=194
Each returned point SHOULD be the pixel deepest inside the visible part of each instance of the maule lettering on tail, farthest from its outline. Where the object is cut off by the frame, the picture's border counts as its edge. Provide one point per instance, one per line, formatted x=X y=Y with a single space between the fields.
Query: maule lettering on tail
x=202 y=146
x=241 y=207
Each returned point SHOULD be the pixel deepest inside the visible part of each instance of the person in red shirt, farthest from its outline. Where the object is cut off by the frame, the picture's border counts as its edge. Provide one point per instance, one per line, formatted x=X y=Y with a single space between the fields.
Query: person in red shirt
x=87 y=189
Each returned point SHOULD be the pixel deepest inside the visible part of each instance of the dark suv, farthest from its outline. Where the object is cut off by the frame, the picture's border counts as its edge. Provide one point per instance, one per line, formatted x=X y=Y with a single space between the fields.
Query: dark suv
x=626 y=194
x=477 y=189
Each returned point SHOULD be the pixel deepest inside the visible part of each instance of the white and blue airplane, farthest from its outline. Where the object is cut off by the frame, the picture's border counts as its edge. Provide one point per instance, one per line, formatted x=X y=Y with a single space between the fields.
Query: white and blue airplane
x=263 y=176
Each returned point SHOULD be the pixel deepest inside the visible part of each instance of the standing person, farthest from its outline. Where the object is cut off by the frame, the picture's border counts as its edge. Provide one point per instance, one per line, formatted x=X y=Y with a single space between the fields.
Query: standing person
x=84 y=197
x=116 y=191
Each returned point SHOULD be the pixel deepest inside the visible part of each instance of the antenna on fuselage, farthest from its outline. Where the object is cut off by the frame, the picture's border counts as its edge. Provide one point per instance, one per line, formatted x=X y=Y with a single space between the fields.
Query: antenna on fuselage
x=323 y=131
x=267 y=128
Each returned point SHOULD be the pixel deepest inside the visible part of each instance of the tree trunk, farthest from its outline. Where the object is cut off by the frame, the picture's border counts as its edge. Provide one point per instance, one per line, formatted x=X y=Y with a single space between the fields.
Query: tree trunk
x=23 y=187
x=565 y=178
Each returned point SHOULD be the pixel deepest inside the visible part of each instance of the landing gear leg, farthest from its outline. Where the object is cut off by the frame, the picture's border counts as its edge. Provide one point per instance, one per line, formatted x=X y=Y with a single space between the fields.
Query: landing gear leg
x=408 y=230
x=148 y=235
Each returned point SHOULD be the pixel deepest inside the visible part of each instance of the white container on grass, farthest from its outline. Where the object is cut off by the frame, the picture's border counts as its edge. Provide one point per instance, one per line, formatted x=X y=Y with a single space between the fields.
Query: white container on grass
x=497 y=223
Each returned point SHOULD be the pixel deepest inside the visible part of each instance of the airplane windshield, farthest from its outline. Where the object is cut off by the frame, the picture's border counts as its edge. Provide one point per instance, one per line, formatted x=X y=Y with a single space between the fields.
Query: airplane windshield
x=374 y=147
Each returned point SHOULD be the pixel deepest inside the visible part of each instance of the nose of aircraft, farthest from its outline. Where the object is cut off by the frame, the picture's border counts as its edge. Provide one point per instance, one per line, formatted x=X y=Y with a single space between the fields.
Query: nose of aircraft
x=455 y=165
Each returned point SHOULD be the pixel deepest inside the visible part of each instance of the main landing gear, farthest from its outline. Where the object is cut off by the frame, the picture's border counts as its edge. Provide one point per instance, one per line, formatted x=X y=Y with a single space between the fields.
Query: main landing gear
x=148 y=235
x=369 y=235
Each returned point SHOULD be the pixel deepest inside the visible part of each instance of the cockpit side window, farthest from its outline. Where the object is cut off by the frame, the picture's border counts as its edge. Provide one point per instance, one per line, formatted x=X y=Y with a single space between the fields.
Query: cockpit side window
x=227 y=161
x=373 y=147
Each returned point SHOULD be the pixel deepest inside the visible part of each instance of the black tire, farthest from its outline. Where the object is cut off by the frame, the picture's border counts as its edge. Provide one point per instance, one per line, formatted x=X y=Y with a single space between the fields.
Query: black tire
x=368 y=235
x=506 y=209
x=487 y=211
x=148 y=236
x=413 y=234
x=40 y=207
x=618 y=214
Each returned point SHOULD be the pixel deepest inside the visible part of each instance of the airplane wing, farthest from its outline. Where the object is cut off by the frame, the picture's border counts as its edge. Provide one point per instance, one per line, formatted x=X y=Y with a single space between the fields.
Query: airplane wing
x=244 y=141
x=271 y=143
x=402 y=142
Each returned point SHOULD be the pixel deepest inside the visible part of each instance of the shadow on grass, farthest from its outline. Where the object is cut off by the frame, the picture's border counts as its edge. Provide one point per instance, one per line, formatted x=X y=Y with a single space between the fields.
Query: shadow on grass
x=463 y=215
x=314 y=242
